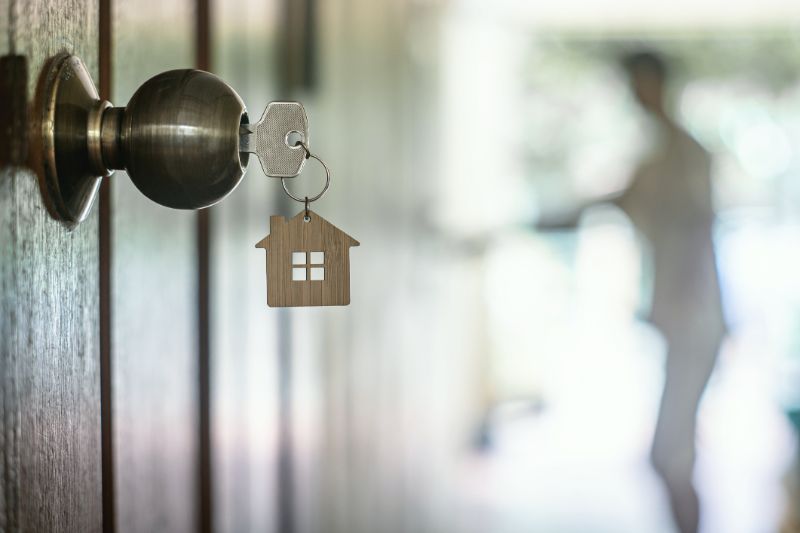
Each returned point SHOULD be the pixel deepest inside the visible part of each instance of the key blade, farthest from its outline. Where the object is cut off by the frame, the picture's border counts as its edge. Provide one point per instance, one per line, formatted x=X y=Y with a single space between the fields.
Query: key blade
x=245 y=139
x=269 y=136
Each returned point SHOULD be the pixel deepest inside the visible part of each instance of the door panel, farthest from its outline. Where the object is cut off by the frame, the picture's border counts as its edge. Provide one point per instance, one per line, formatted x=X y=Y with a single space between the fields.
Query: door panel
x=244 y=331
x=154 y=300
x=49 y=349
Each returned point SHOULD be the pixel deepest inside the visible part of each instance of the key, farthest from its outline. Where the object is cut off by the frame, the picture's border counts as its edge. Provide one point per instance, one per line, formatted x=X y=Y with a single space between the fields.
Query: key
x=281 y=124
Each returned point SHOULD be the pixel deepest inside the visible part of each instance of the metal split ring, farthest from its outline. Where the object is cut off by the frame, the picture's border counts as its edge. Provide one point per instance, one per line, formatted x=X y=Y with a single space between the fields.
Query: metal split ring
x=306 y=200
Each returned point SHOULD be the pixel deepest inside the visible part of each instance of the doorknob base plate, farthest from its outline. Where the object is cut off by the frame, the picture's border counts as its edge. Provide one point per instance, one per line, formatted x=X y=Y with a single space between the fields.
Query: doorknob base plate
x=69 y=165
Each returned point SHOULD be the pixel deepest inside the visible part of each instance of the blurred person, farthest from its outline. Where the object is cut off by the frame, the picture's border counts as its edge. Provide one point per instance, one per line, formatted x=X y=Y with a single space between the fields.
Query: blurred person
x=669 y=202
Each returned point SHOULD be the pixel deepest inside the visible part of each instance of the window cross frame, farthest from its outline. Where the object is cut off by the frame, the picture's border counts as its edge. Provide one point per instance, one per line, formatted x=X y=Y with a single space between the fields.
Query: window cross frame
x=308 y=265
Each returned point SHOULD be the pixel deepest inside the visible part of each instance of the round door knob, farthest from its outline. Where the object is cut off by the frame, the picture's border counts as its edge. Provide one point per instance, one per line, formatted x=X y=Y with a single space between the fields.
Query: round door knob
x=178 y=139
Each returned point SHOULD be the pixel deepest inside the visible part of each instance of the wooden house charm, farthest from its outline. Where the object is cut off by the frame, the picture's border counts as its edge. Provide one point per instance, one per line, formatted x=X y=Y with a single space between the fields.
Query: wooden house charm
x=308 y=262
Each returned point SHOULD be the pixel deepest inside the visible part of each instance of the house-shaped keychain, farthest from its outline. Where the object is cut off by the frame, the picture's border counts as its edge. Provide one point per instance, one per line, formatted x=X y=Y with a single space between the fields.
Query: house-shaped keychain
x=308 y=261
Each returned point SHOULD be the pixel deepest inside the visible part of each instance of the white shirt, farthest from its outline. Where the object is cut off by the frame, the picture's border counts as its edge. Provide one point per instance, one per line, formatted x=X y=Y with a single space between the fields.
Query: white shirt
x=669 y=201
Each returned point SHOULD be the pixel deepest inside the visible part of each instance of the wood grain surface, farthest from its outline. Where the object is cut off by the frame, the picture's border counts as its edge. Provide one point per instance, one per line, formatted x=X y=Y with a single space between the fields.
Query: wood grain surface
x=49 y=352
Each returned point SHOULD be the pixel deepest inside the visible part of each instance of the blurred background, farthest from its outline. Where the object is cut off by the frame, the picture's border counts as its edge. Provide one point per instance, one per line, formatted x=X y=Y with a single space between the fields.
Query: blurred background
x=488 y=377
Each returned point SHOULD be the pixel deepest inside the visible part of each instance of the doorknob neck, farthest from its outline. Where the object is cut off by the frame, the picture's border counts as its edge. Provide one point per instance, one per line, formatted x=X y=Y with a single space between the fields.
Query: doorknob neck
x=104 y=138
x=103 y=128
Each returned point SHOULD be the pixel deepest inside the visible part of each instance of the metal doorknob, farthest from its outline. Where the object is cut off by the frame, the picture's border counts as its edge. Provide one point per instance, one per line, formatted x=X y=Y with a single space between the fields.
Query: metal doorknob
x=178 y=139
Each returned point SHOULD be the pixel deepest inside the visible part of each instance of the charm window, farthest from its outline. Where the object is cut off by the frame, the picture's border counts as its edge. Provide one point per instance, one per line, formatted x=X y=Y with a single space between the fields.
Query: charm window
x=308 y=266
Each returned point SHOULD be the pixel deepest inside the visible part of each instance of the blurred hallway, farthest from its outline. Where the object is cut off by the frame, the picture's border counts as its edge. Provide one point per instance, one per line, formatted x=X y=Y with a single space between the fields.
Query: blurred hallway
x=479 y=118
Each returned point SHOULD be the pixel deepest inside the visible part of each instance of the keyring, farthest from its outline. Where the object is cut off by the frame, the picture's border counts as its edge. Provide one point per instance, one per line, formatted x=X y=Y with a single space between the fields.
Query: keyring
x=306 y=200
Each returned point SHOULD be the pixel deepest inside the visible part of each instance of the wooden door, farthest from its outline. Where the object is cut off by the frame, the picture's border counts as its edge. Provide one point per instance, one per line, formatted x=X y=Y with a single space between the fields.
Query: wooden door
x=50 y=475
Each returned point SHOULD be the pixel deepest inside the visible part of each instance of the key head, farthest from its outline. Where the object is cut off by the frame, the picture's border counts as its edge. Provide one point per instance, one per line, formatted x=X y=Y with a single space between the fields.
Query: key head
x=270 y=139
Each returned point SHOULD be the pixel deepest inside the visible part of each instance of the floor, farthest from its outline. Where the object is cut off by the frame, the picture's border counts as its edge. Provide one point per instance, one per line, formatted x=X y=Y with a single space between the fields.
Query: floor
x=579 y=464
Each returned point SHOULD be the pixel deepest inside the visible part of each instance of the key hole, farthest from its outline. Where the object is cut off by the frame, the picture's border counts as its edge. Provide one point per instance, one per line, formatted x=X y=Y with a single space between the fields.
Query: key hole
x=293 y=138
x=244 y=157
